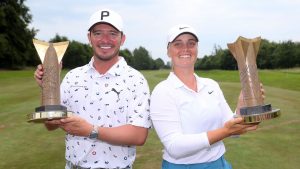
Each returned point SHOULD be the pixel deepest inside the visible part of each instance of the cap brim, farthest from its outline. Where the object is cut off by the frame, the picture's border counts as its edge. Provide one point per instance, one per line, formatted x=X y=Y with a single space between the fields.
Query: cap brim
x=171 y=40
x=102 y=22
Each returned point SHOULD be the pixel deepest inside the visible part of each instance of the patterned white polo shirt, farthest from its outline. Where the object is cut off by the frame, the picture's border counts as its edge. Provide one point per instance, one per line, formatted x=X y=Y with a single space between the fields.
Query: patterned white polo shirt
x=118 y=97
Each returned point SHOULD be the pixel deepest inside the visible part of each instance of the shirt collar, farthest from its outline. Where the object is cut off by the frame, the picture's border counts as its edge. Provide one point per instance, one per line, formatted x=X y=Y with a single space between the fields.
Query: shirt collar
x=177 y=83
x=115 y=70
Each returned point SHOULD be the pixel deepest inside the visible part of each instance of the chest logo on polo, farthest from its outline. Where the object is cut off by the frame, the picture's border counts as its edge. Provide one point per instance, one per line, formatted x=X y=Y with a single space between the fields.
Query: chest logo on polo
x=115 y=91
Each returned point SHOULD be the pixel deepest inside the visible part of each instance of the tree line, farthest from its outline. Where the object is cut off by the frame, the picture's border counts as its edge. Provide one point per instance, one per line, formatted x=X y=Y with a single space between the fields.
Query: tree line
x=17 y=50
x=271 y=55
x=78 y=54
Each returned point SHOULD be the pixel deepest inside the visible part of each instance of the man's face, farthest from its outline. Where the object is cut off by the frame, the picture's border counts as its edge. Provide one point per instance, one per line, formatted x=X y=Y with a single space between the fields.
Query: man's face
x=105 y=41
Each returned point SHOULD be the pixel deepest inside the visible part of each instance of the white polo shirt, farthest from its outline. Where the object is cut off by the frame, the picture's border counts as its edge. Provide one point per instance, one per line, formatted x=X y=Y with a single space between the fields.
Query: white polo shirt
x=182 y=117
x=118 y=97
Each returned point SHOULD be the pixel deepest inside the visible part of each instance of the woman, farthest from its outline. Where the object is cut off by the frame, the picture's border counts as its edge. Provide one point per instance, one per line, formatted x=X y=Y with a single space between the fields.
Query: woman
x=190 y=113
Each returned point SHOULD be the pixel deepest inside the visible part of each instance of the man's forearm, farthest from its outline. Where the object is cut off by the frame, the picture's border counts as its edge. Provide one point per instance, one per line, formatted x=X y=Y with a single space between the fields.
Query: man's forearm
x=123 y=135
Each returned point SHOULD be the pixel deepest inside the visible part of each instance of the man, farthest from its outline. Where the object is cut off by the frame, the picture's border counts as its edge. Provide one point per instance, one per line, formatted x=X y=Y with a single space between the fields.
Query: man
x=110 y=101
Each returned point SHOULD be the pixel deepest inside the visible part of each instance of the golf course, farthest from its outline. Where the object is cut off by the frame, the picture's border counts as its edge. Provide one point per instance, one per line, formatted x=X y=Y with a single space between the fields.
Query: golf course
x=274 y=145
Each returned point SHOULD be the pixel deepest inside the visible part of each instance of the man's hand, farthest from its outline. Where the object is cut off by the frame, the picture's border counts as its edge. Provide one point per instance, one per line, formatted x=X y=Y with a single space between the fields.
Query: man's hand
x=52 y=124
x=76 y=125
x=38 y=74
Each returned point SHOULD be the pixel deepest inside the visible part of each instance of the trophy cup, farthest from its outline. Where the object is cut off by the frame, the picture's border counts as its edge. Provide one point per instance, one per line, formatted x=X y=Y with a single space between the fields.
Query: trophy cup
x=50 y=55
x=245 y=52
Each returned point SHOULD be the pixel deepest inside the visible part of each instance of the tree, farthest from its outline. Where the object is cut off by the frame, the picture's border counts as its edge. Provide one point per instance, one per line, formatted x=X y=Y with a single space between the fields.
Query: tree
x=142 y=59
x=77 y=54
x=223 y=59
x=58 y=38
x=127 y=56
x=205 y=63
x=168 y=65
x=271 y=55
x=159 y=63
x=284 y=55
x=264 y=56
x=228 y=62
x=16 y=47
x=297 y=53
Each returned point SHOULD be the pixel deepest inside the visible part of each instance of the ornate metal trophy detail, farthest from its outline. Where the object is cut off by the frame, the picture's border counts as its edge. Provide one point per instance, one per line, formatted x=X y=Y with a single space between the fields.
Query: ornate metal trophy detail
x=50 y=55
x=245 y=52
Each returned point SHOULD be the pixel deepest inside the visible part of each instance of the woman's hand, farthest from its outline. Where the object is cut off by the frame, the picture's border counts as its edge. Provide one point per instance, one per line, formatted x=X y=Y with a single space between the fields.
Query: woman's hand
x=236 y=126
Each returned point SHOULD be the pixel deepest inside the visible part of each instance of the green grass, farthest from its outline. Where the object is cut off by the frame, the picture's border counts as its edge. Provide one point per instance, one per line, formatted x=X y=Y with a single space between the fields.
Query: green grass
x=274 y=145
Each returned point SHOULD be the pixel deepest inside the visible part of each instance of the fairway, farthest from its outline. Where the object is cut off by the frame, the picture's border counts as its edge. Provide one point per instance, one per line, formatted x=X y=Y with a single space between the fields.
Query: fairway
x=275 y=145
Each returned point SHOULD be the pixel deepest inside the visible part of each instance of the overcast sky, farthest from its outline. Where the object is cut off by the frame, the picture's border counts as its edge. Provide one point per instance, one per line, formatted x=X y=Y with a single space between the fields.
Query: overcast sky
x=146 y=22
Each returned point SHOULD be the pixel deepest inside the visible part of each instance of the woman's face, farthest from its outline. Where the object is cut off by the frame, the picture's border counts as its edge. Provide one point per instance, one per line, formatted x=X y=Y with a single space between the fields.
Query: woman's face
x=183 y=51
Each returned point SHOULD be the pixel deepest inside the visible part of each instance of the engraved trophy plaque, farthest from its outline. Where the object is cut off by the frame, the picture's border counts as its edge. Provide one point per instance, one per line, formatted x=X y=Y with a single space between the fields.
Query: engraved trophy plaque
x=50 y=55
x=245 y=52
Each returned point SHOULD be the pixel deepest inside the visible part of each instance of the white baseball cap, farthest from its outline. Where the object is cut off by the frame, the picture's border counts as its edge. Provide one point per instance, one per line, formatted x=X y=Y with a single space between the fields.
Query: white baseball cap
x=177 y=30
x=106 y=16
